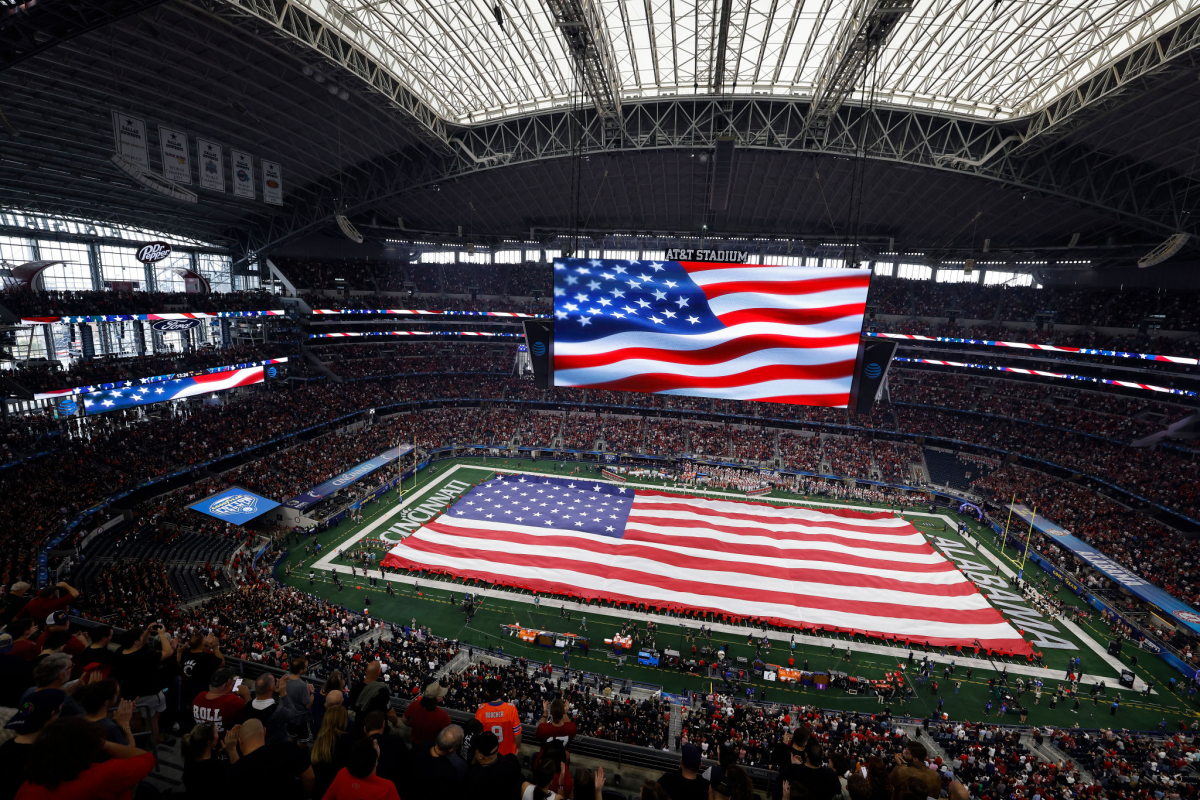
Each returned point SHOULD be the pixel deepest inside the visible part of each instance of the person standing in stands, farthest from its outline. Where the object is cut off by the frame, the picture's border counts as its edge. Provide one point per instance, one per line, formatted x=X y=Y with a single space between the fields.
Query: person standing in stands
x=500 y=718
x=63 y=764
x=370 y=695
x=425 y=717
x=359 y=779
x=47 y=601
x=437 y=772
x=556 y=726
x=198 y=663
x=265 y=770
x=137 y=671
x=42 y=708
x=685 y=783
x=490 y=775
x=220 y=705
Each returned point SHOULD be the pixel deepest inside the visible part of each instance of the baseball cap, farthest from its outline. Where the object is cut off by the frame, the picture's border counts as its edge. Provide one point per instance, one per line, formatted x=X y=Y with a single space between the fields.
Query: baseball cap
x=56 y=618
x=486 y=743
x=36 y=711
x=691 y=757
x=435 y=690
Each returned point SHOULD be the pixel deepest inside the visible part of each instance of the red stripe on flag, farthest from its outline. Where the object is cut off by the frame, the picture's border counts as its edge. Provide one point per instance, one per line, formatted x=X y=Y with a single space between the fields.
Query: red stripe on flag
x=984 y=616
x=796 y=316
x=790 y=288
x=651 y=382
x=549 y=586
x=726 y=351
x=636 y=517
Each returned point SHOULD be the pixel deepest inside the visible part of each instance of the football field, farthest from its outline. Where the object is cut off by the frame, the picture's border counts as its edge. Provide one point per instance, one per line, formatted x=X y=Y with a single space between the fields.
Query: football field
x=437 y=603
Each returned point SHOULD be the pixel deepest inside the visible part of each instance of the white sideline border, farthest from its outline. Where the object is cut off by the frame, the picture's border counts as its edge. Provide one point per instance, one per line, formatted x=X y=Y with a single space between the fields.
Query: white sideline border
x=899 y=653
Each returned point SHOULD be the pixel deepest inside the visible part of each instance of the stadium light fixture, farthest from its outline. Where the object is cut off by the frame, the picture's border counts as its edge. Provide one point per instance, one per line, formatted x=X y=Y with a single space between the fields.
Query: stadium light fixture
x=348 y=229
x=1164 y=251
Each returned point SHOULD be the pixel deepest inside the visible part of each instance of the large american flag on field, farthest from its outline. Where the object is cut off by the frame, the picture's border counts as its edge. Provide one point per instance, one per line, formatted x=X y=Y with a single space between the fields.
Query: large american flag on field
x=833 y=569
x=738 y=331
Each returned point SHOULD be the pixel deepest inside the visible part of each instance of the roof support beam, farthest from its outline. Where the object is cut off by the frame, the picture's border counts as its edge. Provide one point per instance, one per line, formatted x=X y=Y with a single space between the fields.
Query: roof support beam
x=25 y=32
x=295 y=23
x=859 y=42
x=1143 y=194
x=586 y=37
x=1173 y=50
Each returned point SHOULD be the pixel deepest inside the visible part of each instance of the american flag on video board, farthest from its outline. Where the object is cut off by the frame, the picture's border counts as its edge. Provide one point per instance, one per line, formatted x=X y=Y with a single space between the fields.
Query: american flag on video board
x=796 y=566
x=738 y=331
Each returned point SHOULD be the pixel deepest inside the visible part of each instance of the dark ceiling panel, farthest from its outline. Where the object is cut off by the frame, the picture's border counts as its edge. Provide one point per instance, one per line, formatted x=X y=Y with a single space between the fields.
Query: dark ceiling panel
x=772 y=193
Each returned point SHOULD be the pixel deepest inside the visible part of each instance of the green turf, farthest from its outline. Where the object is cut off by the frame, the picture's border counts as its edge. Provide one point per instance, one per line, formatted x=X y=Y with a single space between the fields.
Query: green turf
x=439 y=608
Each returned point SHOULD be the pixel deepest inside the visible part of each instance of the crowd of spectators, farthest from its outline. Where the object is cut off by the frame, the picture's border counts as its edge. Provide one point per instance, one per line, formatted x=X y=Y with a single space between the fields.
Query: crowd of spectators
x=91 y=303
x=1151 y=550
x=800 y=451
x=1132 y=764
x=845 y=455
x=428 y=358
x=623 y=434
x=581 y=431
x=1104 y=308
x=1160 y=475
x=710 y=441
x=752 y=444
x=524 y=279
x=539 y=428
x=44 y=377
x=665 y=437
x=894 y=460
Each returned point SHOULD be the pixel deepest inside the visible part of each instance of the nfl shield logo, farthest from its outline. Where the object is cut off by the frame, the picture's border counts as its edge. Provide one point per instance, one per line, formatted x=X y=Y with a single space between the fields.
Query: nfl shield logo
x=234 y=504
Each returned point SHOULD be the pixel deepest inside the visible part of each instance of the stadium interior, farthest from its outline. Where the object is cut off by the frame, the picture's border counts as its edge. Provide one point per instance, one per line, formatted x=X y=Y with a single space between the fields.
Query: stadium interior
x=331 y=332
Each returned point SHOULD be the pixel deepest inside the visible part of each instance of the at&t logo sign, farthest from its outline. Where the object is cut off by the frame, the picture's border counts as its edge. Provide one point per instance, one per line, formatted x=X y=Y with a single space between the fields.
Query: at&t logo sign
x=538 y=348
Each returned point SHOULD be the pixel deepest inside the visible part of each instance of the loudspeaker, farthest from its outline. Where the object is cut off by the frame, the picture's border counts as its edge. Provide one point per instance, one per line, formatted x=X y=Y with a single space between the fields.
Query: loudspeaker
x=539 y=338
x=870 y=370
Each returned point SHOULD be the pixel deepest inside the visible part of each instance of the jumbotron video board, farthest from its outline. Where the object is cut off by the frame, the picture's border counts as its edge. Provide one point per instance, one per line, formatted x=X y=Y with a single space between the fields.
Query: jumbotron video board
x=707 y=329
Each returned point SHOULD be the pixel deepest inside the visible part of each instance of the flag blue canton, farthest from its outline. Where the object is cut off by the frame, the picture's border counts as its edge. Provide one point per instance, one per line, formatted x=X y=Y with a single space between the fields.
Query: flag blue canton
x=116 y=399
x=550 y=504
x=594 y=298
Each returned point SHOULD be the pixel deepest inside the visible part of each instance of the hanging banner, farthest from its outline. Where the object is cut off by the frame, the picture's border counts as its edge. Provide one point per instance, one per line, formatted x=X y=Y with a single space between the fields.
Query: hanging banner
x=243 y=174
x=129 y=135
x=176 y=158
x=212 y=169
x=272 y=183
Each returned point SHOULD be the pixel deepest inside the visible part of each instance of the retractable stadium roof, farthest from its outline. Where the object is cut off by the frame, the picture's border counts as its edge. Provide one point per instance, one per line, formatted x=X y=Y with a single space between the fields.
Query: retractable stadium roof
x=479 y=60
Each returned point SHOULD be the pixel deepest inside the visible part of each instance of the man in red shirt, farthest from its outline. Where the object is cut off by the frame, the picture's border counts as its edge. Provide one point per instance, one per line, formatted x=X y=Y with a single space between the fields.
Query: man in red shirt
x=24 y=633
x=500 y=718
x=220 y=705
x=57 y=621
x=425 y=717
x=357 y=780
x=555 y=725
x=46 y=602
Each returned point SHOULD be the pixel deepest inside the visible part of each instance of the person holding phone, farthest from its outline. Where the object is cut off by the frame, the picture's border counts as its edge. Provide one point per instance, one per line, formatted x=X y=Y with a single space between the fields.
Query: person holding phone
x=137 y=670
x=224 y=701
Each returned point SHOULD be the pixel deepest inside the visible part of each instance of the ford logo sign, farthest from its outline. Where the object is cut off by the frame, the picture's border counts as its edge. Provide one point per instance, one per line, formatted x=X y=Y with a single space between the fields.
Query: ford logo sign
x=153 y=252
x=67 y=406
x=164 y=325
x=538 y=348
x=873 y=371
